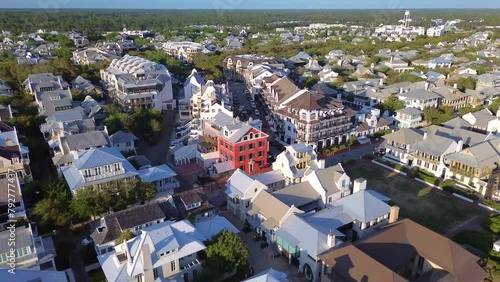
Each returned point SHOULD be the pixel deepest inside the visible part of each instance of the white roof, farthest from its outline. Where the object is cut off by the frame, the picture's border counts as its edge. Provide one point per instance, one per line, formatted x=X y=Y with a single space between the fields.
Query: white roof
x=212 y=226
x=238 y=184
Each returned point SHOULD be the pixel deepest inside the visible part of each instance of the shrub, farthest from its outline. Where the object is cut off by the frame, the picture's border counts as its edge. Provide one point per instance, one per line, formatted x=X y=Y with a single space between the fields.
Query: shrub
x=368 y=157
x=257 y=238
x=492 y=223
x=479 y=240
x=492 y=204
x=264 y=245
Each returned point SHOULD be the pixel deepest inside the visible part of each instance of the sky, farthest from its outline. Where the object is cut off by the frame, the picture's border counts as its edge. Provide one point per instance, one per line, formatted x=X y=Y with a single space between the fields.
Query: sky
x=249 y=4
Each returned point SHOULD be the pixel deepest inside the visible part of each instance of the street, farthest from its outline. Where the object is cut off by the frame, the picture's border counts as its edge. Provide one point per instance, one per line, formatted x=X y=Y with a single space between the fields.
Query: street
x=353 y=154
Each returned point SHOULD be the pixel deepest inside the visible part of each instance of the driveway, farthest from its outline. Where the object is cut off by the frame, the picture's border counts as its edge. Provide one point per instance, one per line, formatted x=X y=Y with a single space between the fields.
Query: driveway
x=353 y=154
x=260 y=259
x=158 y=153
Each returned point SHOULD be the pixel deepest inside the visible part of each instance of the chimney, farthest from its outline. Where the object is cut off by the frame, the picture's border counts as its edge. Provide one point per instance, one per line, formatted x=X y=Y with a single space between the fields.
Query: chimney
x=381 y=82
x=425 y=135
x=498 y=113
x=401 y=90
x=427 y=84
x=455 y=85
x=394 y=214
x=74 y=152
x=359 y=185
x=392 y=59
x=321 y=164
x=460 y=146
x=331 y=240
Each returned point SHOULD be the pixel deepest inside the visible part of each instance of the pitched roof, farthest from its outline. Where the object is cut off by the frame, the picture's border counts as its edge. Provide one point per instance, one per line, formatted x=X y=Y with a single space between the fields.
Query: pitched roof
x=156 y=173
x=481 y=155
x=98 y=157
x=122 y=137
x=409 y=111
x=120 y=221
x=368 y=257
x=270 y=207
x=85 y=140
x=420 y=94
x=363 y=206
x=405 y=136
x=268 y=275
x=435 y=145
x=297 y=194
x=214 y=225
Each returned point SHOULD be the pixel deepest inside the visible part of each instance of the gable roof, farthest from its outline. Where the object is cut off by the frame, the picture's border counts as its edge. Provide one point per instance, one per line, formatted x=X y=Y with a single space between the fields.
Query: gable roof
x=156 y=173
x=239 y=183
x=297 y=194
x=120 y=221
x=268 y=275
x=368 y=257
x=405 y=136
x=98 y=157
x=85 y=140
x=122 y=137
x=435 y=145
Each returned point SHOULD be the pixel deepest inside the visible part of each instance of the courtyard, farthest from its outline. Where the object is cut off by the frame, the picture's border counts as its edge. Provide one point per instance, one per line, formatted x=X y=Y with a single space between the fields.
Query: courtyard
x=434 y=209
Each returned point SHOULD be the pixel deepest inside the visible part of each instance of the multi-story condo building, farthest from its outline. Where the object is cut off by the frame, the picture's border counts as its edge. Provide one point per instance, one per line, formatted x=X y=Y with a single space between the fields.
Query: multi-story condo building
x=242 y=144
x=167 y=251
x=314 y=119
x=205 y=98
x=185 y=50
x=235 y=67
x=303 y=116
x=137 y=82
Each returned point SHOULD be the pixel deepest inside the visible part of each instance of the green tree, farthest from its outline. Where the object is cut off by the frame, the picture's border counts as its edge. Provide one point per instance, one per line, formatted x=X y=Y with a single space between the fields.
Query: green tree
x=439 y=115
x=310 y=82
x=492 y=223
x=84 y=203
x=392 y=104
x=466 y=83
x=125 y=236
x=226 y=252
x=468 y=109
x=53 y=209
x=493 y=107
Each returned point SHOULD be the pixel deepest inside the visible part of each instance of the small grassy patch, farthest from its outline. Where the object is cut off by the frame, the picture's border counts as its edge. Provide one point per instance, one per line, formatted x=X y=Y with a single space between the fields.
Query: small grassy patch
x=418 y=202
x=97 y=276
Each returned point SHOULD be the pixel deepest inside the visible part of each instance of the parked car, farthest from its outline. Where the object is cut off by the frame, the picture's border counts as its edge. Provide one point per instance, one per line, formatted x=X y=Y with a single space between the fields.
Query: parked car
x=257 y=113
x=87 y=241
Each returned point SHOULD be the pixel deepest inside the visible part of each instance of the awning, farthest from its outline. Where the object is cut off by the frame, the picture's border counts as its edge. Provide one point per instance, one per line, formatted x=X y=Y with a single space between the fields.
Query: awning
x=287 y=237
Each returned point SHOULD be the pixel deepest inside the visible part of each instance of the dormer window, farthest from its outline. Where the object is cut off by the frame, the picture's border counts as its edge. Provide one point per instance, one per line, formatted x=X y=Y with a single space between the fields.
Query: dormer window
x=15 y=160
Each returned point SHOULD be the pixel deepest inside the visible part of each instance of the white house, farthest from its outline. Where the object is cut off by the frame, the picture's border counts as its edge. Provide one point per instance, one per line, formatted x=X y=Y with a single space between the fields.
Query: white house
x=436 y=31
x=408 y=117
x=124 y=141
x=419 y=99
x=240 y=189
x=163 y=252
x=163 y=177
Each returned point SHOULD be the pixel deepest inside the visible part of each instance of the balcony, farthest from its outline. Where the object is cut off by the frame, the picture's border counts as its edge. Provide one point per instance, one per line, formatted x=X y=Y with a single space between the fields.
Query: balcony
x=104 y=175
x=190 y=265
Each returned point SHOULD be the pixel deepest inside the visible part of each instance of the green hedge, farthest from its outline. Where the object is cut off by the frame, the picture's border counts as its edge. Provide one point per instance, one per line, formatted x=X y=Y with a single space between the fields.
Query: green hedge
x=492 y=204
x=482 y=241
x=492 y=223
x=447 y=185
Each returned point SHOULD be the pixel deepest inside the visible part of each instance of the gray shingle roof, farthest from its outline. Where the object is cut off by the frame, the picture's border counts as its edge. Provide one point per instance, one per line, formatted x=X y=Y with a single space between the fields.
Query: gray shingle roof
x=86 y=140
x=405 y=136
x=122 y=137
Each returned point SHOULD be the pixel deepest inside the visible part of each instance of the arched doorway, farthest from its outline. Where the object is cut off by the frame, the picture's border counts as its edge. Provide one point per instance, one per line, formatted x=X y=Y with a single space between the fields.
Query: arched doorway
x=308 y=273
x=328 y=143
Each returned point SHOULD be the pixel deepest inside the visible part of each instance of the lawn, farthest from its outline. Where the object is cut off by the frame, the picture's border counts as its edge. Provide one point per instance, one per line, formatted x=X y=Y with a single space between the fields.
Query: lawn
x=437 y=211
